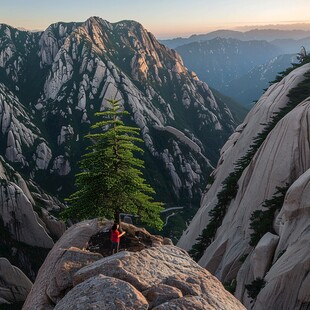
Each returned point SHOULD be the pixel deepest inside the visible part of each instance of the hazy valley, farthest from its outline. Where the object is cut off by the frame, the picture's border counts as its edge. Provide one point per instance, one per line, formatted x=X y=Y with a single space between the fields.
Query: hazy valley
x=241 y=64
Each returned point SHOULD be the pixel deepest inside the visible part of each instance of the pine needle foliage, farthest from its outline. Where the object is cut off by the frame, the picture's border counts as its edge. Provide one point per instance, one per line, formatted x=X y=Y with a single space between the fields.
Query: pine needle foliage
x=111 y=181
x=262 y=220
x=255 y=287
x=286 y=72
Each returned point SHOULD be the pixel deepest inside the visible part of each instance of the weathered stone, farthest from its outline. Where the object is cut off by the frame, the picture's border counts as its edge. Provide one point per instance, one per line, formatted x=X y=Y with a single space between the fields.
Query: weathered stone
x=166 y=265
x=161 y=293
x=189 y=302
x=289 y=275
x=71 y=261
x=281 y=261
x=132 y=280
x=76 y=236
x=15 y=285
x=55 y=227
x=104 y=293
x=150 y=270
x=274 y=99
x=262 y=256
x=19 y=218
x=167 y=241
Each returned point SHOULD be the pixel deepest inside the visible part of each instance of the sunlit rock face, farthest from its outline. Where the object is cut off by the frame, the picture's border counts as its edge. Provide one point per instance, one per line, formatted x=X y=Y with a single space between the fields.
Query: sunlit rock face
x=54 y=82
x=281 y=161
x=157 y=277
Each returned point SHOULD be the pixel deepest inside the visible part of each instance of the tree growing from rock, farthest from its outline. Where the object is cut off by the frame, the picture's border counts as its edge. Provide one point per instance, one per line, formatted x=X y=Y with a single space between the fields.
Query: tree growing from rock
x=111 y=181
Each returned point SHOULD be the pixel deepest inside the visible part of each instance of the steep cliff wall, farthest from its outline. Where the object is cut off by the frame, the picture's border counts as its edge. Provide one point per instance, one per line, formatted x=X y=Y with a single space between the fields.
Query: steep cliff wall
x=251 y=245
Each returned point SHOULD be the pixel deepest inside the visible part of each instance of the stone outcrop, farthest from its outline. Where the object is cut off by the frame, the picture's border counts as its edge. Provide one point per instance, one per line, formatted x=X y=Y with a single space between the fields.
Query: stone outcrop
x=52 y=282
x=160 y=277
x=289 y=275
x=274 y=99
x=103 y=292
x=14 y=284
x=17 y=212
x=281 y=160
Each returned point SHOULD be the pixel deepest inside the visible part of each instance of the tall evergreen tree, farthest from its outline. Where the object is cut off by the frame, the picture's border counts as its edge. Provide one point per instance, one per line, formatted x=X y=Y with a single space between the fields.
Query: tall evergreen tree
x=111 y=180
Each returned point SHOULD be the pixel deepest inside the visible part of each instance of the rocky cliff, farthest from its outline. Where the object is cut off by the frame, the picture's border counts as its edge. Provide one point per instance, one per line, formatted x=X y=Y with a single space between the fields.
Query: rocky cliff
x=158 y=277
x=57 y=79
x=258 y=205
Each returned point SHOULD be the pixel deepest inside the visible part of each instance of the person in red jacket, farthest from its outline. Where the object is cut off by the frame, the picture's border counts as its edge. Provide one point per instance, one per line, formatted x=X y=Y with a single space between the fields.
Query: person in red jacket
x=115 y=237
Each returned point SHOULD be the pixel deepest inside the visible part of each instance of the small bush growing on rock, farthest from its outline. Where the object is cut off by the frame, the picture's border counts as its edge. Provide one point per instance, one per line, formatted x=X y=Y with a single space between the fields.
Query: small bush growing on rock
x=255 y=287
x=262 y=220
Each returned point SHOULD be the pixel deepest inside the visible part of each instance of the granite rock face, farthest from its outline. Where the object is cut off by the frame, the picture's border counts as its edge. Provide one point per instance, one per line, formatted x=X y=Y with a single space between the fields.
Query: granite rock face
x=281 y=161
x=15 y=286
x=289 y=275
x=17 y=212
x=55 y=275
x=158 y=277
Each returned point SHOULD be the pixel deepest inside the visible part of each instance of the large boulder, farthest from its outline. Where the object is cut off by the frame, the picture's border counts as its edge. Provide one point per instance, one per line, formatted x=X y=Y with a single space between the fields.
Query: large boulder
x=67 y=256
x=103 y=293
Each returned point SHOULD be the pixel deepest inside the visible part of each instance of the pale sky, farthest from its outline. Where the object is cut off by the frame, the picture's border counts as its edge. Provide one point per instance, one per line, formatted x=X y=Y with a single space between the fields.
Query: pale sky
x=164 y=18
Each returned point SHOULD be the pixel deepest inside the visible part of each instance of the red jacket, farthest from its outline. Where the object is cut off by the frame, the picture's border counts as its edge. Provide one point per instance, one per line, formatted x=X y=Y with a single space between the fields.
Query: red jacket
x=115 y=236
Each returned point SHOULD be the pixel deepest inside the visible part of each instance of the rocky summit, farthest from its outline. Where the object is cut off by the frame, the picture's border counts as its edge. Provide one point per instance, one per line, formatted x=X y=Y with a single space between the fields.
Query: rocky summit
x=260 y=245
x=157 y=277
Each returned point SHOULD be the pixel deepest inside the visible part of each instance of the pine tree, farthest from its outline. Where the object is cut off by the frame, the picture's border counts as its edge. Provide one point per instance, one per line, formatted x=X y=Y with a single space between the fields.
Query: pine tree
x=111 y=180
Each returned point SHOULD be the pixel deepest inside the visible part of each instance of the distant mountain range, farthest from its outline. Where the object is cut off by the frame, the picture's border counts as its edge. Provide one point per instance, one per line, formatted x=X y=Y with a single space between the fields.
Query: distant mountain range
x=240 y=64
x=249 y=87
x=254 y=34
x=221 y=60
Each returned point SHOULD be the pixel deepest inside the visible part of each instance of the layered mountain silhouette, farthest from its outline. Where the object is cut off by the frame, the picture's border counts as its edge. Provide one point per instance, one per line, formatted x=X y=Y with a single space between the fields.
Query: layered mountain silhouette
x=269 y=35
x=241 y=64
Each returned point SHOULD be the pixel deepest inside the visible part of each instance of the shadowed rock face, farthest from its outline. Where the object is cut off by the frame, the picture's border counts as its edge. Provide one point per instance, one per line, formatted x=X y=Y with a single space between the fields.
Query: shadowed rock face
x=15 y=286
x=160 y=277
x=16 y=210
x=279 y=258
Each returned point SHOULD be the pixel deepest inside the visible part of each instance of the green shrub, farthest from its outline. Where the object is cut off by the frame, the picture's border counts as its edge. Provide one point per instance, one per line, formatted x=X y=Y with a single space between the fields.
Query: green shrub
x=255 y=287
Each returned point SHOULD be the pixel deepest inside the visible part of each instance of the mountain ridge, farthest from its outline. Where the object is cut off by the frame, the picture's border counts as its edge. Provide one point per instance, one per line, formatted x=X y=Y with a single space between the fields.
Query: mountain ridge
x=63 y=79
x=253 y=34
